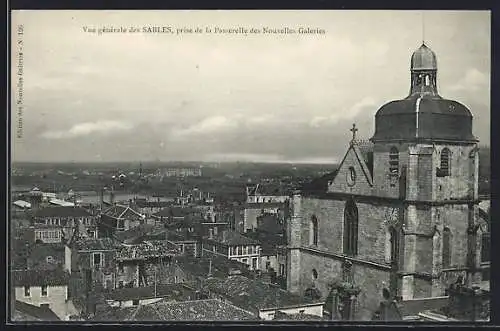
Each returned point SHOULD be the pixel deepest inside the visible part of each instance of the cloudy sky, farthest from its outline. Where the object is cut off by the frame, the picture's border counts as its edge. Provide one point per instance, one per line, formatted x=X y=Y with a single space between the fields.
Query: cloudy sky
x=212 y=97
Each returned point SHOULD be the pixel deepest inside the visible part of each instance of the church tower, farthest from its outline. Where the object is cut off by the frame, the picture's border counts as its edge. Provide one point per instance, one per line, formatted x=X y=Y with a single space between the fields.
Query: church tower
x=426 y=158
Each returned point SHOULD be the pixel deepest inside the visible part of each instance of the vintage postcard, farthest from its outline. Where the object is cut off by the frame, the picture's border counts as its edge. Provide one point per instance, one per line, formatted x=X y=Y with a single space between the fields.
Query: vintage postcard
x=249 y=166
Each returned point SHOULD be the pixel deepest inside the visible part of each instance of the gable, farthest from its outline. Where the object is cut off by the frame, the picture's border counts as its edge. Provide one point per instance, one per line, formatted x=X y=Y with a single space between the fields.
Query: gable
x=342 y=183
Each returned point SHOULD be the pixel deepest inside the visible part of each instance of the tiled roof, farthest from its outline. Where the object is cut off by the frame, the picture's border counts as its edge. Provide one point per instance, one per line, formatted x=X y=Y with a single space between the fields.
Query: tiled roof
x=146 y=250
x=152 y=204
x=133 y=233
x=122 y=212
x=26 y=312
x=281 y=316
x=33 y=277
x=172 y=291
x=62 y=211
x=22 y=204
x=261 y=205
x=319 y=184
x=266 y=190
x=200 y=267
x=233 y=238
x=253 y=294
x=40 y=253
x=415 y=306
x=177 y=211
x=100 y=244
x=199 y=310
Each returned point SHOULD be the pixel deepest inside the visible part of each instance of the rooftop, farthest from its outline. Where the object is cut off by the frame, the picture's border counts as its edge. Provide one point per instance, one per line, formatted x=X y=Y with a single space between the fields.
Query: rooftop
x=63 y=203
x=199 y=310
x=22 y=204
x=26 y=312
x=253 y=294
x=265 y=190
x=220 y=266
x=140 y=203
x=62 y=211
x=132 y=234
x=147 y=250
x=33 y=277
x=177 y=211
x=172 y=291
x=281 y=316
x=122 y=212
x=100 y=244
x=415 y=306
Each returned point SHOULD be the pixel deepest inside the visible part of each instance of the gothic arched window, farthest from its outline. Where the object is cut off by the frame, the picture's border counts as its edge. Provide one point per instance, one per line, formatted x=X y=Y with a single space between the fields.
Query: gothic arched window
x=395 y=244
x=445 y=162
x=350 y=228
x=485 y=247
x=394 y=161
x=314 y=230
x=446 y=247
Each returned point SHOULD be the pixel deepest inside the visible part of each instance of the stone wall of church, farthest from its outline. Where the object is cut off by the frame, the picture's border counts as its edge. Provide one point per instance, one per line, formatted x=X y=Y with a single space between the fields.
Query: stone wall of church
x=381 y=178
x=372 y=282
x=460 y=183
x=340 y=183
x=370 y=267
x=455 y=217
x=372 y=229
x=424 y=252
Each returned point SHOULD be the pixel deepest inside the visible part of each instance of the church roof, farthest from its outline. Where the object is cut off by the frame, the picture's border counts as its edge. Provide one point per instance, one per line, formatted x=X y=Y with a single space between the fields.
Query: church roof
x=423 y=115
x=438 y=119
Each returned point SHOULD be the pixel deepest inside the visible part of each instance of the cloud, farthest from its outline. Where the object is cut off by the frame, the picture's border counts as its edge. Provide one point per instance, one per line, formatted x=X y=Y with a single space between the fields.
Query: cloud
x=85 y=129
x=473 y=80
x=206 y=126
x=348 y=113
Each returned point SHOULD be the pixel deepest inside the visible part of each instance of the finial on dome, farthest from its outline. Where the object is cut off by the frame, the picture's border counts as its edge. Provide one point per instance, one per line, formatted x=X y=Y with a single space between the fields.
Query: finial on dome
x=423 y=28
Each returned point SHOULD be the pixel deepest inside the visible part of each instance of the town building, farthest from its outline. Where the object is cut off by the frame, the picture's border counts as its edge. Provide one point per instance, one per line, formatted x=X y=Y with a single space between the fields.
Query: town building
x=56 y=224
x=253 y=211
x=182 y=172
x=118 y=218
x=92 y=262
x=402 y=216
x=47 y=289
x=149 y=207
x=142 y=264
x=234 y=246
x=265 y=194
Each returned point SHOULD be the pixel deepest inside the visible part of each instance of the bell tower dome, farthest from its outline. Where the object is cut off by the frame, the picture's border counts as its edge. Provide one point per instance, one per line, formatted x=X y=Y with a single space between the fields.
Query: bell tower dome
x=423 y=116
x=423 y=72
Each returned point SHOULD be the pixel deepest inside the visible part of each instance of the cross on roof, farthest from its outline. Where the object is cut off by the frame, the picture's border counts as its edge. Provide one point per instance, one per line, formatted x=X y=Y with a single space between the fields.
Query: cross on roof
x=354 y=130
